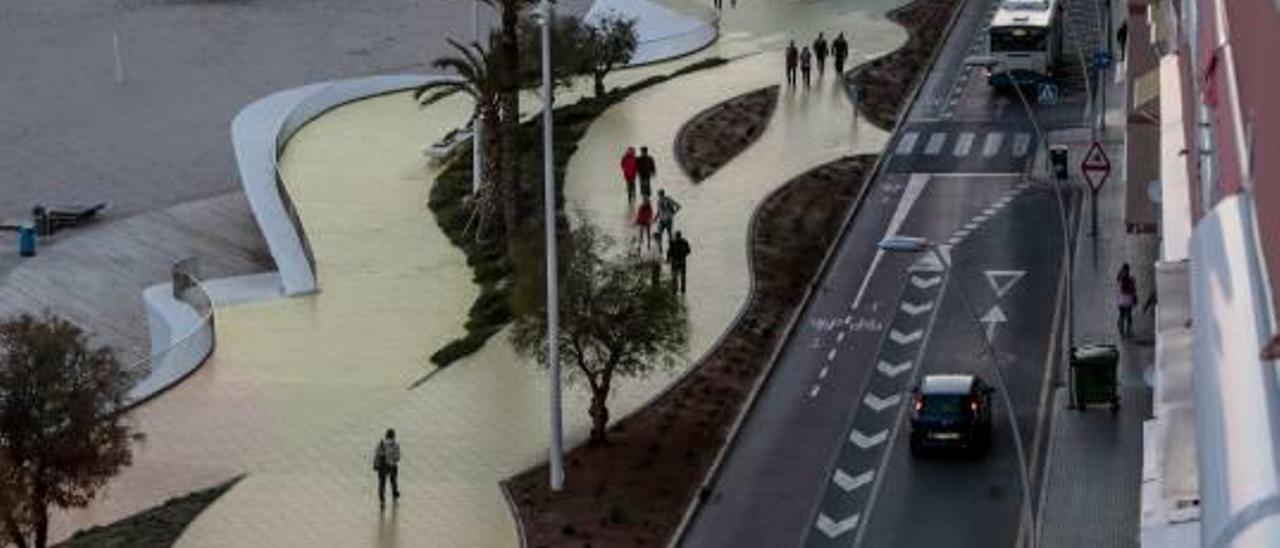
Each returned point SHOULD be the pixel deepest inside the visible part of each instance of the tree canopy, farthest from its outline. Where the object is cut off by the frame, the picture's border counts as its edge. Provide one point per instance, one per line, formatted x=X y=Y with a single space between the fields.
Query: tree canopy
x=62 y=435
x=614 y=320
x=579 y=48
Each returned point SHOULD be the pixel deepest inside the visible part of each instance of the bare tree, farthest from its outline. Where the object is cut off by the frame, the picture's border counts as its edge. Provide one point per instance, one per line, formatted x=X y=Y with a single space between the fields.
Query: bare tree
x=614 y=321
x=62 y=435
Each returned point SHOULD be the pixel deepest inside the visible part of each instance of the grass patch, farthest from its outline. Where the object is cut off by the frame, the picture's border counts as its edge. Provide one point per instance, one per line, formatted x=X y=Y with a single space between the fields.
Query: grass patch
x=499 y=277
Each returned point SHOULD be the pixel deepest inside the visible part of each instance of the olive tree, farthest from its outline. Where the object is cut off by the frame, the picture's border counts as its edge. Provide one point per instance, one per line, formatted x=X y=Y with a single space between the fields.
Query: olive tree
x=614 y=321
x=62 y=435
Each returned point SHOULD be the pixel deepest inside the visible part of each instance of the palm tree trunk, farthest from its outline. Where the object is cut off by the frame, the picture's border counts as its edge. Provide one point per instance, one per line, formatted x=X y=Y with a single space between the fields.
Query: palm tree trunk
x=510 y=124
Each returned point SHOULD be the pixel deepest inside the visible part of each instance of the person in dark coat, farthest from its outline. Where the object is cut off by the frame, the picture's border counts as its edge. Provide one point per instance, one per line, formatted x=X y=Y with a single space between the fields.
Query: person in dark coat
x=1126 y=298
x=678 y=255
x=820 y=54
x=793 y=57
x=646 y=169
x=805 y=65
x=386 y=462
x=840 y=49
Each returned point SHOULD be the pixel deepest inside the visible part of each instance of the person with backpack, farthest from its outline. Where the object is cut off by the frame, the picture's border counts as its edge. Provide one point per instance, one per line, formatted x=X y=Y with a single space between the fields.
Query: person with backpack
x=386 y=462
x=1126 y=298
x=646 y=169
x=820 y=54
x=678 y=255
x=667 y=209
x=840 y=49
x=629 y=168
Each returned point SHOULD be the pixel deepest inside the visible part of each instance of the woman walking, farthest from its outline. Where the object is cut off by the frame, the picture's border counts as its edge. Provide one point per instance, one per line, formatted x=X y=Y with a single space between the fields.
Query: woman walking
x=644 y=219
x=1126 y=297
x=805 y=65
x=629 y=170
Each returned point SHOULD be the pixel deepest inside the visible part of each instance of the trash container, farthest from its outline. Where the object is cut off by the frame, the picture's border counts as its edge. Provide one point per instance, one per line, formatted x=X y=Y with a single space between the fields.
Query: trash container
x=1093 y=376
x=1058 y=158
x=27 y=241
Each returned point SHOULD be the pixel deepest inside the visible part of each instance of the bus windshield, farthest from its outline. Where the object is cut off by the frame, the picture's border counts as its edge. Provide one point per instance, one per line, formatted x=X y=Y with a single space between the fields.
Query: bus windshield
x=1008 y=39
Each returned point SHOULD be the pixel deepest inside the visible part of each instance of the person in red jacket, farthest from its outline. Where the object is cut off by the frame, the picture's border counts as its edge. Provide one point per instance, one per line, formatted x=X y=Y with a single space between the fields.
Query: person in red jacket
x=644 y=218
x=629 y=168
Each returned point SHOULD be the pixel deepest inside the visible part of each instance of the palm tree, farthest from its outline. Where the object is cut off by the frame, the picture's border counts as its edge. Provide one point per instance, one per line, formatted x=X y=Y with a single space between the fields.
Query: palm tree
x=478 y=71
x=509 y=89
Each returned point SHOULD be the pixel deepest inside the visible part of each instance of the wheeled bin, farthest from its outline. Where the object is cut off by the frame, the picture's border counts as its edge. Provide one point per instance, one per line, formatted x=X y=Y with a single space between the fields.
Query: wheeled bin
x=27 y=241
x=1093 y=376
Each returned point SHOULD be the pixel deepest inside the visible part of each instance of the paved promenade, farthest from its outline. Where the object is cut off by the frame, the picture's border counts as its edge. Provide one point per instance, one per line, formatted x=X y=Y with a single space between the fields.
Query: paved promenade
x=299 y=390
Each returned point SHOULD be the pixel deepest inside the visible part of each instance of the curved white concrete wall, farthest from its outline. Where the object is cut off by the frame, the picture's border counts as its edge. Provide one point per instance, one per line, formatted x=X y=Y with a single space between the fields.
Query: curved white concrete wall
x=258 y=134
x=666 y=29
x=182 y=338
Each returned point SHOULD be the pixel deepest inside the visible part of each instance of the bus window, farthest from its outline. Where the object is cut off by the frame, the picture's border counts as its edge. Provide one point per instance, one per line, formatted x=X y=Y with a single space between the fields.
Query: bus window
x=1019 y=39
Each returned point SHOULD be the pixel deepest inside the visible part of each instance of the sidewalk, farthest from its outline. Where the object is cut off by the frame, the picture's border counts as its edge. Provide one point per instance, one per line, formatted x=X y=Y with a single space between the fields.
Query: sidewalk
x=1091 y=489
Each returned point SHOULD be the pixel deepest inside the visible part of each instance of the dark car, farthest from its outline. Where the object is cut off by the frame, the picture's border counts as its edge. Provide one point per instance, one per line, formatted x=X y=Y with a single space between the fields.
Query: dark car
x=952 y=413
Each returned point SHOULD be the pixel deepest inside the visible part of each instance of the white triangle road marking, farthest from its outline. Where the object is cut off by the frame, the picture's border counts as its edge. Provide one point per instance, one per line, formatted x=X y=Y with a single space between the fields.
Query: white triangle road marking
x=891 y=370
x=864 y=441
x=878 y=404
x=832 y=528
x=848 y=483
x=1003 y=280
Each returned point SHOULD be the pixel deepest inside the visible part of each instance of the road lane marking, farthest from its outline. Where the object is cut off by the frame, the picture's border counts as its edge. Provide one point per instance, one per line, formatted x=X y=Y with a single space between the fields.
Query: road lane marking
x=934 y=146
x=848 y=483
x=925 y=283
x=955 y=240
x=981 y=218
x=993 y=318
x=879 y=404
x=991 y=210
x=823 y=373
x=915 y=309
x=831 y=356
x=963 y=144
x=915 y=187
x=904 y=339
x=928 y=262
x=962 y=233
x=832 y=528
x=864 y=441
x=890 y=370
x=813 y=392
x=992 y=145
x=971 y=226
x=840 y=336
x=1003 y=280
x=1021 y=143
x=907 y=144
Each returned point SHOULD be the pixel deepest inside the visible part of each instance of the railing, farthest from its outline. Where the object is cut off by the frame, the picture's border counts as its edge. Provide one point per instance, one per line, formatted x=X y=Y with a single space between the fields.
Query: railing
x=184 y=306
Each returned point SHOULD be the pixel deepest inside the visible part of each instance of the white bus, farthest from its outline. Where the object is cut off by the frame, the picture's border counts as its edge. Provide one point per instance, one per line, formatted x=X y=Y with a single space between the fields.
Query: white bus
x=1025 y=41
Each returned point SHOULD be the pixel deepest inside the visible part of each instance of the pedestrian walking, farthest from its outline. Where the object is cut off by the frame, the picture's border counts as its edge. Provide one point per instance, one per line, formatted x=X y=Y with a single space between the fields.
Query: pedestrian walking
x=677 y=256
x=805 y=65
x=1122 y=36
x=840 y=49
x=646 y=169
x=644 y=220
x=1126 y=298
x=386 y=462
x=820 y=54
x=718 y=3
x=793 y=57
x=629 y=166
x=667 y=209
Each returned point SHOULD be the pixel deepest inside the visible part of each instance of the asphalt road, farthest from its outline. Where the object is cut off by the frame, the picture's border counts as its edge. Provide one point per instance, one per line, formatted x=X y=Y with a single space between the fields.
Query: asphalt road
x=822 y=458
x=155 y=133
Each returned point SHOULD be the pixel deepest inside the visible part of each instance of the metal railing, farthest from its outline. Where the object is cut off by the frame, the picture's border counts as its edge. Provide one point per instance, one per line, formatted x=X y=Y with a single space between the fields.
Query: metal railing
x=184 y=354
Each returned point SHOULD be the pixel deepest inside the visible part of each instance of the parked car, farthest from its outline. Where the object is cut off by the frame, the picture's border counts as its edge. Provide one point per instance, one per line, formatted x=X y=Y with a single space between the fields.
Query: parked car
x=952 y=412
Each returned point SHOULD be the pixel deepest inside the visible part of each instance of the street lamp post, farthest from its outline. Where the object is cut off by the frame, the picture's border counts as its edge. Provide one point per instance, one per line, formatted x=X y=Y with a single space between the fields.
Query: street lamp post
x=546 y=18
x=909 y=244
x=477 y=123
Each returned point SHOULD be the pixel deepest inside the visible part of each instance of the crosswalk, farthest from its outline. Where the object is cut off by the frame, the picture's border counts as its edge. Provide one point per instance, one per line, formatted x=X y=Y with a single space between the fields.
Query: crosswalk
x=963 y=144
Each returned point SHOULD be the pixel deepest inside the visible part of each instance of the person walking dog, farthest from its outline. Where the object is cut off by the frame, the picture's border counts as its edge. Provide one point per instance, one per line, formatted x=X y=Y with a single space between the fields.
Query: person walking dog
x=629 y=166
x=386 y=462
x=646 y=169
x=678 y=255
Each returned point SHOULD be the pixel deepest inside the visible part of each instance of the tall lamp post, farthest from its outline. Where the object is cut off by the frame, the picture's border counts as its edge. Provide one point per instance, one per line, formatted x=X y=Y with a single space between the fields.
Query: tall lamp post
x=909 y=244
x=477 y=124
x=546 y=18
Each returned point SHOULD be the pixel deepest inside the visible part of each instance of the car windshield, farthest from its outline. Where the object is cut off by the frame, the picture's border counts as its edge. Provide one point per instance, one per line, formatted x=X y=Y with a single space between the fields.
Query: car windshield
x=943 y=406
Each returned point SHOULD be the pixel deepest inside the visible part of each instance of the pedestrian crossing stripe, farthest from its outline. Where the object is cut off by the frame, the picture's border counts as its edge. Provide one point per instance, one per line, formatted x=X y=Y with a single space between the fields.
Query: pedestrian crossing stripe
x=907 y=144
x=935 y=144
x=992 y=144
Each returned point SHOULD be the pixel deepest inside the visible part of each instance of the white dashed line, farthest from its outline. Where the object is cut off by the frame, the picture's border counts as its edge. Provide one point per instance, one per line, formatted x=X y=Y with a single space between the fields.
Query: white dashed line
x=971 y=226
x=813 y=392
x=831 y=356
x=823 y=373
x=840 y=336
x=962 y=234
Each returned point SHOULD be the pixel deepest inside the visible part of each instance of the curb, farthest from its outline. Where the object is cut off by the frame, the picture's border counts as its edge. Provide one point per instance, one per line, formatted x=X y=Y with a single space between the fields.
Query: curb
x=806 y=301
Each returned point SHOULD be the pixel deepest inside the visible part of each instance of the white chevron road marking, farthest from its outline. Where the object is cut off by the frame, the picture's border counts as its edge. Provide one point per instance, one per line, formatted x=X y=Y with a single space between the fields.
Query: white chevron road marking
x=905 y=338
x=925 y=283
x=833 y=528
x=891 y=370
x=848 y=483
x=878 y=404
x=864 y=441
x=915 y=309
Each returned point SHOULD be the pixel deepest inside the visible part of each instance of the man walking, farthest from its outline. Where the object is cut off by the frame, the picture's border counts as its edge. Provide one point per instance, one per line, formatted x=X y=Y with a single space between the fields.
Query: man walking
x=629 y=172
x=840 y=48
x=820 y=54
x=1126 y=298
x=386 y=462
x=805 y=65
x=677 y=255
x=793 y=57
x=646 y=169
x=667 y=209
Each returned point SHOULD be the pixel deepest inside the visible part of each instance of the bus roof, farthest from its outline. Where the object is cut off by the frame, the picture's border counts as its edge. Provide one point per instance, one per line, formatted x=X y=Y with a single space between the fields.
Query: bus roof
x=1024 y=13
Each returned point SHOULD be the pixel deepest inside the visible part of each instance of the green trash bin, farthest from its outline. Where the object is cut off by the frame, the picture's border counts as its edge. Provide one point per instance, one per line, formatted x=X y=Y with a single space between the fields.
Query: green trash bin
x=1093 y=376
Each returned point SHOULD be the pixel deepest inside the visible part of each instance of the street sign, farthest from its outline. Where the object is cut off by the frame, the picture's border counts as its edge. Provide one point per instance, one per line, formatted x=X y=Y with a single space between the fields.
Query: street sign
x=1096 y=167
x=1048 y=94
x=1101 y=59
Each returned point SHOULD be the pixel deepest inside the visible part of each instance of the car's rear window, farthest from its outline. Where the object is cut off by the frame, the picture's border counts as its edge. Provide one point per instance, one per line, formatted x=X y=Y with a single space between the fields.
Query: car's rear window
x=944 y=406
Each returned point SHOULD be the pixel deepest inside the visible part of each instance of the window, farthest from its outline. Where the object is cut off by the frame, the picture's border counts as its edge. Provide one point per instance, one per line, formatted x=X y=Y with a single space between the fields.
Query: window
x=1015 y=39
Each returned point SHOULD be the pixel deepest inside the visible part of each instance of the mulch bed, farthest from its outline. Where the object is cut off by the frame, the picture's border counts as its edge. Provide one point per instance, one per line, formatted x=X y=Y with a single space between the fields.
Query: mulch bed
x=887 y=80
x=157 y=527
x=707 y=142
x=634 y=491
